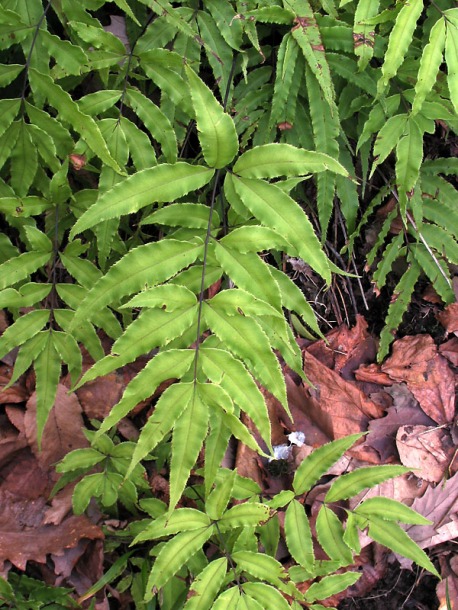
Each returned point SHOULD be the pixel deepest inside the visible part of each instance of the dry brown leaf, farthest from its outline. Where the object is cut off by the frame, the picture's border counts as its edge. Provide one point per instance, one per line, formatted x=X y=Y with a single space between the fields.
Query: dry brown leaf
x=24 y=538
x=440 y=505
x=448 y=586
x=450 y=350
x=63 y=431
x=339 y=408
x=449 y=318
x=426 y=449
x=415 y=361
x=373 y=374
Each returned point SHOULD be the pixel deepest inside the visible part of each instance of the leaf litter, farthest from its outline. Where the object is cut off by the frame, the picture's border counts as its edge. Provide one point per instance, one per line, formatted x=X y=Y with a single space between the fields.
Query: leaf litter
x=406 y=406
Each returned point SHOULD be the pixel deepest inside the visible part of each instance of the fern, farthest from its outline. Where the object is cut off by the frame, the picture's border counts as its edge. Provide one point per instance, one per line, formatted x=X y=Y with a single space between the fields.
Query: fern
x=185 y=170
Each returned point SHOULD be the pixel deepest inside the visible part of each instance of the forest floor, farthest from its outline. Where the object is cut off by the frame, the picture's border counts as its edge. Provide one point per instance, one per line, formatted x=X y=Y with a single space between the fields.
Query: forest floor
x=406 y=404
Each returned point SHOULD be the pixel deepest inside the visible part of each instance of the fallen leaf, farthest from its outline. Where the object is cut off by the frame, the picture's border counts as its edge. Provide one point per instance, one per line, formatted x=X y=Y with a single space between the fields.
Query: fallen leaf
x=63 y=431
x=416 y=361
x=440 y=505
x=449 y=318
x=24 y=538
x=450 y=350
x=339 y=408
x=426 y=449
x=405 y=410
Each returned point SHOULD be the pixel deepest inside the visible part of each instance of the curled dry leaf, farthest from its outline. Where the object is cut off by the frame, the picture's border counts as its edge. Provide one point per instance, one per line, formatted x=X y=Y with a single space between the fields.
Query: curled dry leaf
x=426 y=449
x=449 y=318
x=416 y=361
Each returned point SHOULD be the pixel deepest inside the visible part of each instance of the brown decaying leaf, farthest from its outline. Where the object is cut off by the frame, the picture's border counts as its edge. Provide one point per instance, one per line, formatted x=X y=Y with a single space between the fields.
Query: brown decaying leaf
x=338 y=406
x=416 y=361
x=448 y=586
x=426 y=449
x=449 y=318
x=450 y=350
x=405 y=410
x=63 y=431
x=440 y=505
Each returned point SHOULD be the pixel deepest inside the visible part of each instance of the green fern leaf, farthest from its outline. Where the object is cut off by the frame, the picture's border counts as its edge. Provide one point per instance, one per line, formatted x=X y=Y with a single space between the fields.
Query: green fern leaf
x=260 y=566
x=153 y=328
x=234 y=301
x=20 y=267
x=189 y=433
x=146 y=265
x=316 y=464
x=430 y=62
x=8 y=112
x=245 y=338
x=399 y=41
x=409 y=155
x=228 y=24
x=441 y=240
x=398 y=306
x=98 y=37
x=27 y=354
x=47 y=371
x=12 y=29
x=299 y=535
x=190 y=215
x=294 y=300
x=231 y=599
x=69 y=352
x=387 y=138
x=330 y=534
x=282 y=339
x=330 y=585
x=61 y=136
x=307 y=34
x=451 y=54
x=393 y=251
x=24 y=161
x=69 y=111
x=99 y=101
x=25 y=327
x=140 y=147
x=68 y=56
x=155 y=121
x=390 y=510
x=266 y=595
x=377 y=118
x=173 y=555
x=180 y=520
x=249 y=272
x=222 y=368
x=28 y=295
x=84 y=332
x=274 y=160
x=277 y=210
x=249 y=514
x=164 y=68
x=166 y=365
x=216 y=129
x=286 y=64
x=253 y=238
x=364 y=35
x=437 y=272
x=352 y=483
x=45 y=147
x=392 y=536
x=207 y=585
x=164 y=182
x=219 y=53
x=216 y=445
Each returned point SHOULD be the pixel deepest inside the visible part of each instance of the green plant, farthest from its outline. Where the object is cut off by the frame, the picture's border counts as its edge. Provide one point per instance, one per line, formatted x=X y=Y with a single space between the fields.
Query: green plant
x=24 y=593
x=141 y=208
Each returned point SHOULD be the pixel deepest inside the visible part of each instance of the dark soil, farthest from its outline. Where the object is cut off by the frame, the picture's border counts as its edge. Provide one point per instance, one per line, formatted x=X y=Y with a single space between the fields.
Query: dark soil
x=398 y=590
